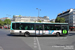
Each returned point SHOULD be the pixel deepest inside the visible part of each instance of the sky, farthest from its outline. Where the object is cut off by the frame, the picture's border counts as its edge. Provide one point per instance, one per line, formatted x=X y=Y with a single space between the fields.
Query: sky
x=50 y=8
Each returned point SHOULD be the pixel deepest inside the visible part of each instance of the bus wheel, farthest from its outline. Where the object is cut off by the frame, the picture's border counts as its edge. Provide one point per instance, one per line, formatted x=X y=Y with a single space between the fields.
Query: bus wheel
x=26 y=34
x=57 y=34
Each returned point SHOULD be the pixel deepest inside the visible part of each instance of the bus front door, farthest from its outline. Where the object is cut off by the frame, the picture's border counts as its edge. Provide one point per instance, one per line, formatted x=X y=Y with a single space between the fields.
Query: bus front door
x=39 y=29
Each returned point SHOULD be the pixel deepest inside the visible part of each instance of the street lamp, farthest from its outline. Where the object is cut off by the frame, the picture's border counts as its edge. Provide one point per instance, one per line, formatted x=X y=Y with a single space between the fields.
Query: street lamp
x=38 y=11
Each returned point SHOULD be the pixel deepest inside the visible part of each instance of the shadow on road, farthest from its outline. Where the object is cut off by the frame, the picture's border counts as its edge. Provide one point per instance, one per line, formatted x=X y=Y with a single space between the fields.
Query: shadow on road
x=34 y=35
x=15 y=35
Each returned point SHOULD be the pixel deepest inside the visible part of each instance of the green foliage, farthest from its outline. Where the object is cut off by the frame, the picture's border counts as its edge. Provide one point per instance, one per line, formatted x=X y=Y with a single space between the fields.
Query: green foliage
x=7 y=21
x=52 y=22
x=60 y=20
x=39 y=21
x=1 y=23
x=34 y=21
x=57 y=19
x=19 y=15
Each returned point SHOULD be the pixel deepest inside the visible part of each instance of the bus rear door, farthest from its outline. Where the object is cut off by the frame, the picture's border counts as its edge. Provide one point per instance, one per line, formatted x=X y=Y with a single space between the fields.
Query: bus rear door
x=39 y=29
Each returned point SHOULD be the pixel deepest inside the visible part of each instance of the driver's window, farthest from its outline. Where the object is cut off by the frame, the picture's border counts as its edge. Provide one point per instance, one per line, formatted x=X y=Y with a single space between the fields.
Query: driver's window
x=64 y=27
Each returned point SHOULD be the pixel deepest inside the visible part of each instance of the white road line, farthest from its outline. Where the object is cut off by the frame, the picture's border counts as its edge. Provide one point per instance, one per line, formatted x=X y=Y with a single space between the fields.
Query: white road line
x=1 y=48
x=34 y=40
x=35 y=46
x=35 y=43
x=38 y=43
x=54 y=38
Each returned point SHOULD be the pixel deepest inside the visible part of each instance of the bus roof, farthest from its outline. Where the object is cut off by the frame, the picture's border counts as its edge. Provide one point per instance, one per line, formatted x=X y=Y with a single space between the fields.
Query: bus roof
x=39 y=22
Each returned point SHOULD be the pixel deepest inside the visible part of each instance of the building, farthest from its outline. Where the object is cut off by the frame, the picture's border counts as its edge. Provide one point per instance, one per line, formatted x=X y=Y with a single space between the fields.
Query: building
x=18 y=18
x=69 y=16
x=4 y=18
x=52 y=20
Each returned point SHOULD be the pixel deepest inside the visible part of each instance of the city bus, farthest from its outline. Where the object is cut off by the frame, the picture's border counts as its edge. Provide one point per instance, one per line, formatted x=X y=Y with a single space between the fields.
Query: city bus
x=36 y=28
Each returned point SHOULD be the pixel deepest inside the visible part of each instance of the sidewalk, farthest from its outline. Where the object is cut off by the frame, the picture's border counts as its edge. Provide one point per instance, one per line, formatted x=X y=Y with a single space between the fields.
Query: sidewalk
x=71 y=31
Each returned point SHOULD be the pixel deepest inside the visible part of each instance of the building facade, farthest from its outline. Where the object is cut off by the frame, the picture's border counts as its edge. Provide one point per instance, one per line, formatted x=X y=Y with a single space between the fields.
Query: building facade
x=69 y=16
x=4 y=18
x=30 y=19
x=52 y=20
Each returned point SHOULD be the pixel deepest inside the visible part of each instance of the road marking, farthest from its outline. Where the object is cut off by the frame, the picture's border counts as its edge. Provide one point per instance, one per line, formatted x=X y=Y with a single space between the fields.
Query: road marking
x=38 y=43
x=34 y=40
x=35 y=43
x=35 y=46
x=55 y=38
x=1 y=48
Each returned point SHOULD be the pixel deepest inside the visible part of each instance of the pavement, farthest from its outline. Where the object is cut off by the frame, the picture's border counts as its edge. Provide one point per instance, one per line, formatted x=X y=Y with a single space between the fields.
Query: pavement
x=10 y=42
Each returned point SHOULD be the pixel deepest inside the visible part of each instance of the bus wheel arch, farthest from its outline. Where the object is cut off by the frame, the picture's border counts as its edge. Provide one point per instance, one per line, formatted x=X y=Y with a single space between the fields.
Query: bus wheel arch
x=26 y=34
x=57 y=34
x=20 y=32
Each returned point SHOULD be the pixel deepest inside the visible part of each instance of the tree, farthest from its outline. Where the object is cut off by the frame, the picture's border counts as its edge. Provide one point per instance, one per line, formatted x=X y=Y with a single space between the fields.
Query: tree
x=39 y=21
x=1 y=23
x=60 y=20
x=57 y=19
x=19 y=15
x=7 y=21
x=52 y=22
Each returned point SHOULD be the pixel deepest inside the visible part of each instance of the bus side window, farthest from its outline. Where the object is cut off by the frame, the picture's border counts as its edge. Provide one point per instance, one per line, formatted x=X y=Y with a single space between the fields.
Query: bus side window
x=37 y=28
x=20 y=27
x=56 y=28
x=26 y=27
x=59 y=28
x=31 y=27
x=40 y=27
x=47 y=27
x=52 y=27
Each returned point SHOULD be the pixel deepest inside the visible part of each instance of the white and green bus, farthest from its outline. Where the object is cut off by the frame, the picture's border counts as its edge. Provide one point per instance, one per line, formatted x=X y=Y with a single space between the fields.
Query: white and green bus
x=30 y=28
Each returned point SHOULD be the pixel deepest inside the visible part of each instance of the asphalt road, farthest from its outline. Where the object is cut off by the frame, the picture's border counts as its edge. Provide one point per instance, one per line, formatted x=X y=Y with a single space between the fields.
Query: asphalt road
x=10 y=42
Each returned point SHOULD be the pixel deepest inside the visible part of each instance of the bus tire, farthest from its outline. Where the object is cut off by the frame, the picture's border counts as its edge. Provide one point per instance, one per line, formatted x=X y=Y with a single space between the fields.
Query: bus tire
x=26 y=34
x=57 y=34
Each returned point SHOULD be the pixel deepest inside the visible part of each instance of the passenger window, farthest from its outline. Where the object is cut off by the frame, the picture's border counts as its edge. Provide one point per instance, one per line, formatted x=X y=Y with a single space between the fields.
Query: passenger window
x=52 y=27
x=26 y=27
x=29 y=27
x=20 y=27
